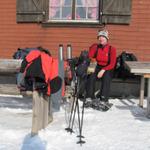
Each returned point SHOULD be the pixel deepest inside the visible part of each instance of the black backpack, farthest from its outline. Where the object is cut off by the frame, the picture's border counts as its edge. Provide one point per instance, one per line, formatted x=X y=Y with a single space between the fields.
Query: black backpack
x=83 y=63
x=121 y=70
x=21 y=53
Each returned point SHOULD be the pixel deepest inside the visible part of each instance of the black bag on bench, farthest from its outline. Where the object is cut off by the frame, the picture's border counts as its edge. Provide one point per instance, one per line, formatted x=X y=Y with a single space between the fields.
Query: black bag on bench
x=121 y=70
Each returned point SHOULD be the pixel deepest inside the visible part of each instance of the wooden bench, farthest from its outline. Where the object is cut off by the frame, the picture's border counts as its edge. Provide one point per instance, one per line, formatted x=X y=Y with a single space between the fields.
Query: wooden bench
x=41 y=105
x=142 y=69
x=120 y=87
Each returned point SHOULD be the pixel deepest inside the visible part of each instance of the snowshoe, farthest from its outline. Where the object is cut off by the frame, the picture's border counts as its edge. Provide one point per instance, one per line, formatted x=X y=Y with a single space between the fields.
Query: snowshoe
x=106 y=105
x=98 y=107
x=87 y=104
x=101 y=106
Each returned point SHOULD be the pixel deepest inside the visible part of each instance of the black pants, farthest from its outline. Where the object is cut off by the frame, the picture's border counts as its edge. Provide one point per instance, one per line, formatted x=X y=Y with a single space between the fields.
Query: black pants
x=104 y=87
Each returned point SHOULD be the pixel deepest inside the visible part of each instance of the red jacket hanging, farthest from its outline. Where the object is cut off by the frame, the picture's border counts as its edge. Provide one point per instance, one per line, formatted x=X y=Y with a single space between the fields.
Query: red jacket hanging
x=41 y=66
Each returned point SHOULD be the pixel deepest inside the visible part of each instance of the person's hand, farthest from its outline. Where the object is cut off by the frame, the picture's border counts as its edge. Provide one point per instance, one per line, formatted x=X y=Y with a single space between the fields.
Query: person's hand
x=100 y=73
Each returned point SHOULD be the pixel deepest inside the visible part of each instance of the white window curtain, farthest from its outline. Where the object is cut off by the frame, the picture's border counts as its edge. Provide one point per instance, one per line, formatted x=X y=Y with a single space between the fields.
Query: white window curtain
x=54 y=7
x=91 y=7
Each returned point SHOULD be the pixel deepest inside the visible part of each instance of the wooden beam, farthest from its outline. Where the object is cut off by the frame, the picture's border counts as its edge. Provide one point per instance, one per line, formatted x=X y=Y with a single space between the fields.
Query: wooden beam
x=10 y=89
x=9 y=65
x=142 y=91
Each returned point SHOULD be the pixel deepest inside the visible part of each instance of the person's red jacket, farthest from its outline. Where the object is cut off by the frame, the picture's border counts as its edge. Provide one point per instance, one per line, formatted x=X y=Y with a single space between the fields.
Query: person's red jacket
x=106 y=56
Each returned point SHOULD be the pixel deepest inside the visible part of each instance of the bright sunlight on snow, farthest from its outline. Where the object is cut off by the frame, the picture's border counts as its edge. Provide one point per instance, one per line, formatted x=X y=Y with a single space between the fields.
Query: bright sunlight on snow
x=123 y=127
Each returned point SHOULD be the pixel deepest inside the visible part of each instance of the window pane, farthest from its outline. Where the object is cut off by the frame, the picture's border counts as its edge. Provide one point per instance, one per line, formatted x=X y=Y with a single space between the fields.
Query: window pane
x=92 y=3
x=80 y=13
x=54 y=12
x=79 y=2
x=89 y=9
x=66 y=13
x=67 y=2
x=55 y=3
x=92 y=13
x=60 y=9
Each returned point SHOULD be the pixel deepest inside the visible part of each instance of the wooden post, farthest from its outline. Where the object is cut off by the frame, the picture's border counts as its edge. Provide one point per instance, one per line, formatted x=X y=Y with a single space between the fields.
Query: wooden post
x=148 y=95
x=40 y=115
x=142 y=91
x=148 y=108
x=45 y=102
x=148 y=88
x=50 y=111
x=36 y=114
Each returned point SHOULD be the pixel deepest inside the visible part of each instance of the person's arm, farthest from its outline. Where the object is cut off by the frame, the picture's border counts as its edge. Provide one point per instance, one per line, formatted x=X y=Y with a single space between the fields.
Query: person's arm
x=92 y=51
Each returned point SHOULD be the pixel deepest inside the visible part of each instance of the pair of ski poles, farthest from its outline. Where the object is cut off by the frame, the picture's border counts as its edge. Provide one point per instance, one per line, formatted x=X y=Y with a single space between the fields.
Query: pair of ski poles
x=75 y=109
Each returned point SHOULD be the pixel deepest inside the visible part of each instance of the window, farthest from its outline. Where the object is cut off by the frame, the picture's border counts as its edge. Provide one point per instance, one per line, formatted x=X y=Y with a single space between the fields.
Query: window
x=83 y=10
x=74 y=12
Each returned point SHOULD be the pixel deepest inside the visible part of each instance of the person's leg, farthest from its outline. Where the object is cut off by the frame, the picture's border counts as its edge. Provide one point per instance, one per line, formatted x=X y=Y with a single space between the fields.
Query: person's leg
x=105 y=86
x=90 y=85
x=91 y=82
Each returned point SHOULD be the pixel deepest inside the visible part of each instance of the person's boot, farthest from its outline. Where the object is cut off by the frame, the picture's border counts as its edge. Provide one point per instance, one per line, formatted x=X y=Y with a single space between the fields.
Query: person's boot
x=98 y=95
x=88 y=103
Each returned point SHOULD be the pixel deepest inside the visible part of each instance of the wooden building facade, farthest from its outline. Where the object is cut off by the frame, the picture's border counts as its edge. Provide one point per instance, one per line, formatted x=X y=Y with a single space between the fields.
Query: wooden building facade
x=27 y=23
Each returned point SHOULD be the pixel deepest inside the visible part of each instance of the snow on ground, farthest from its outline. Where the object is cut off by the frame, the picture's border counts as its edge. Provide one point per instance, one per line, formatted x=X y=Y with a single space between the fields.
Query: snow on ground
x=123 y=127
